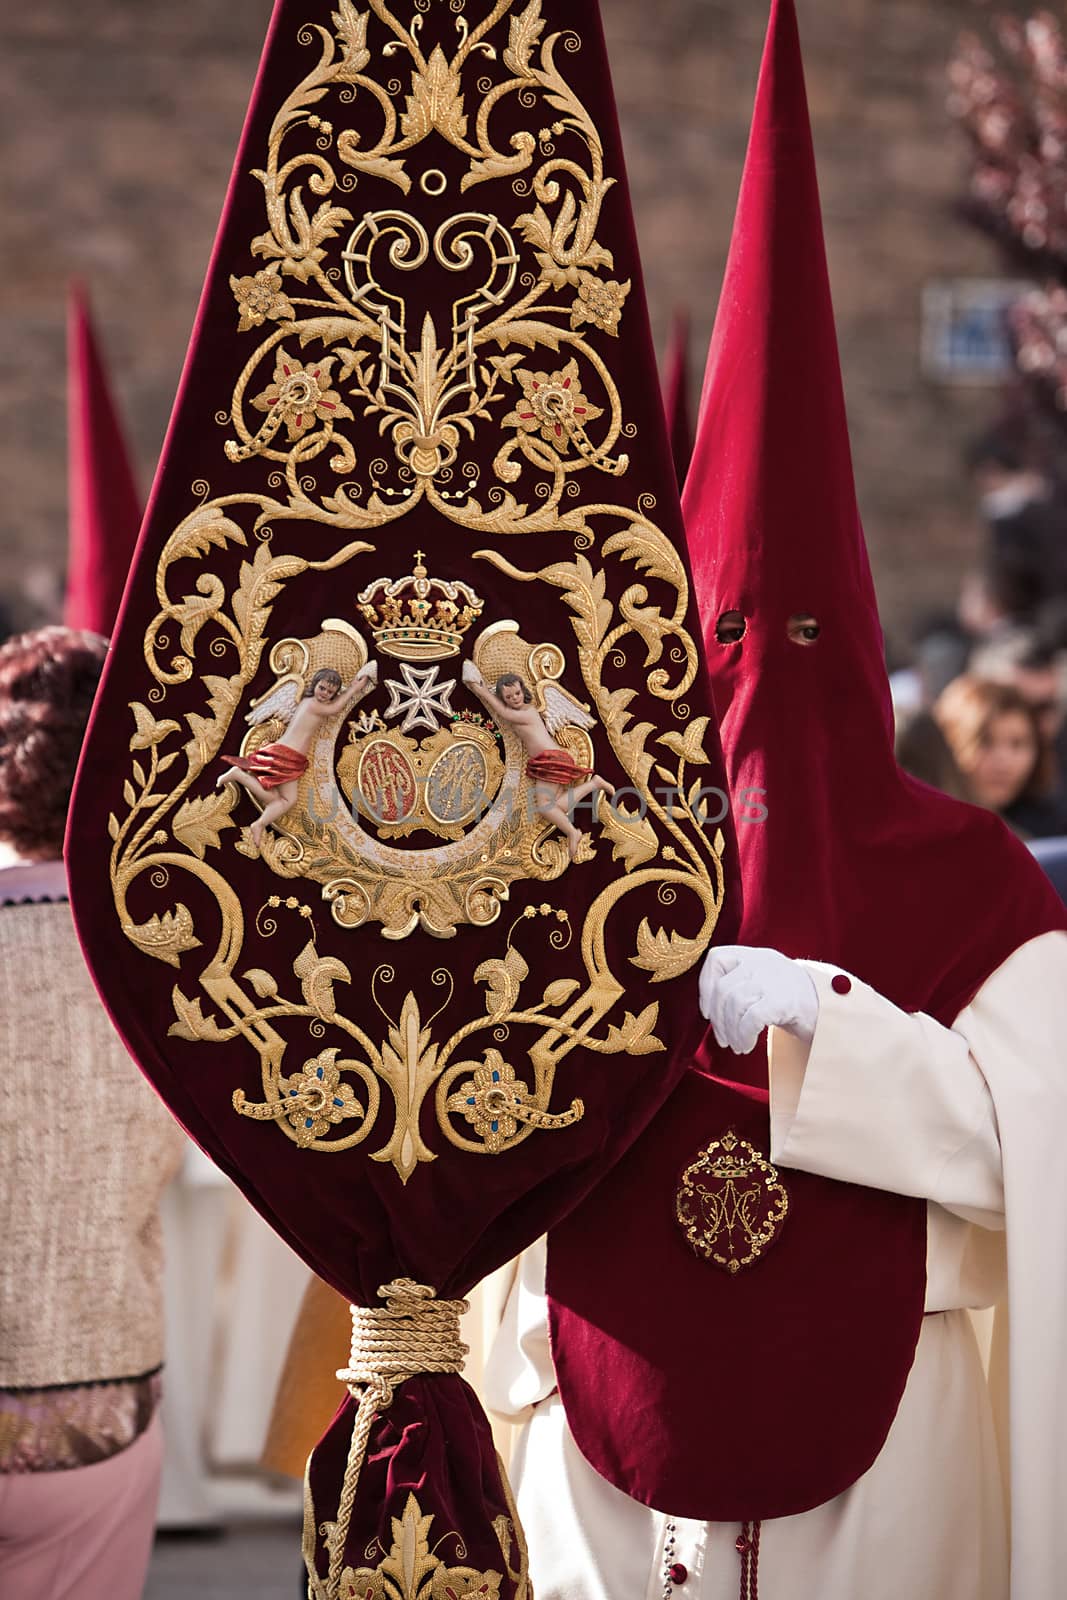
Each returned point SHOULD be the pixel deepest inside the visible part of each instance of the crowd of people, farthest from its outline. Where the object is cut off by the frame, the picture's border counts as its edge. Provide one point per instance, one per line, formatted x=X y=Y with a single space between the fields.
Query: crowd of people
x=981 y=710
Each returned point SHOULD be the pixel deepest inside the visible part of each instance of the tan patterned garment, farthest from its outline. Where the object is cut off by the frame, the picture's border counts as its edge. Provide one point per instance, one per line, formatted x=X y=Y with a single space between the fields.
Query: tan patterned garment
x=48 y=1430
x=86 y=1150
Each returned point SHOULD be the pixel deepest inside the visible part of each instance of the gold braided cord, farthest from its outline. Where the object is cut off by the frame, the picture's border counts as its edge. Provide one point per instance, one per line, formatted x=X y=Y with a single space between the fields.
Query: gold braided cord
x=413 y=1333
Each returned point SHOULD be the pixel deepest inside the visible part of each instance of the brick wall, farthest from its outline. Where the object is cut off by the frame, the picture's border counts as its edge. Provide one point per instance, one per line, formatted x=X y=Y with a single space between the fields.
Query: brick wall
x=125 y=116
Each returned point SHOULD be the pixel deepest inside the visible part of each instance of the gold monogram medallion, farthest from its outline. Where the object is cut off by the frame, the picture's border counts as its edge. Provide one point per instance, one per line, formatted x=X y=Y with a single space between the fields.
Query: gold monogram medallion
x=731 y=1203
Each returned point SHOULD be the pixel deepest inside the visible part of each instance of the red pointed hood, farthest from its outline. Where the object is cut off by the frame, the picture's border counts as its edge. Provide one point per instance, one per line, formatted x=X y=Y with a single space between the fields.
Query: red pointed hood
x=105 y=509
x=853 y=862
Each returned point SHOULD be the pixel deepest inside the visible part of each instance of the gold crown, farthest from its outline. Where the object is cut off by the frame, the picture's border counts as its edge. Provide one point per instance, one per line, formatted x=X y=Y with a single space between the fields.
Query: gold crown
x=419 y=618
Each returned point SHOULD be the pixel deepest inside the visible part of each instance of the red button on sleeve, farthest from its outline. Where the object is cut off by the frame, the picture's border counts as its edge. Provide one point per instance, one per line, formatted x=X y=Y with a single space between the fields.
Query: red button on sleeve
x=840 y=984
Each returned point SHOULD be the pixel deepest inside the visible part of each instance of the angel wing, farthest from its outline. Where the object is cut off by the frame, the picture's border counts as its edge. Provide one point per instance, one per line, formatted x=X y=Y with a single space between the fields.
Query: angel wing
x=281 y=701
x=561 y=708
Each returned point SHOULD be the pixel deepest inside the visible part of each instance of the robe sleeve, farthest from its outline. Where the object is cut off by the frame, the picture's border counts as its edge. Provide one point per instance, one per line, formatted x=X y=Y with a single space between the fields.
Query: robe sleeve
x=887 y=1099
x=519 y=1371
x=973 y=1117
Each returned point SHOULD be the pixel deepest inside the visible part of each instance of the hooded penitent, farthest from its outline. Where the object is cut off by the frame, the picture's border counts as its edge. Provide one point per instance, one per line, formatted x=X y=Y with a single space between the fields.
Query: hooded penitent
x=105 y=509
x=768 y=1387
x=419 y=422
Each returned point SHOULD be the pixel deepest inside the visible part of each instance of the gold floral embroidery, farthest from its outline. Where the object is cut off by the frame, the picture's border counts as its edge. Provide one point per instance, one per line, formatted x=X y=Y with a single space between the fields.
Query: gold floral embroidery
x=301 y=395
x=318 y=1098
x=599 y=302
x=552 y=403
x=260 y=297
x=495 y=1102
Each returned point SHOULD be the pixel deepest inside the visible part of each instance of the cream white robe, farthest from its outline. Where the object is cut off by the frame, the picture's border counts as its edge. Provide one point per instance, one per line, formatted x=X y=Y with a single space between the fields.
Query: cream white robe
x=962 y=1117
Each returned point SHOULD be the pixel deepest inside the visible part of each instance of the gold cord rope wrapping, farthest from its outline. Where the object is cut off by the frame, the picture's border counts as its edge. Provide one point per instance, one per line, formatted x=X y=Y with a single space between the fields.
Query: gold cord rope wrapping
x=412 y=1333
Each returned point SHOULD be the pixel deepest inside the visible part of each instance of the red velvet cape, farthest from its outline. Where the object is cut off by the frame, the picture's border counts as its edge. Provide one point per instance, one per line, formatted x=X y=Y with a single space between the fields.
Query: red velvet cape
x=768 y=1393
x=422 y=347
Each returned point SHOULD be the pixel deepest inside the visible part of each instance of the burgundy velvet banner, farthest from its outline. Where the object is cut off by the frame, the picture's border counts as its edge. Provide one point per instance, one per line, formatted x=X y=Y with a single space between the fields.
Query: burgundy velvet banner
x=416 y=521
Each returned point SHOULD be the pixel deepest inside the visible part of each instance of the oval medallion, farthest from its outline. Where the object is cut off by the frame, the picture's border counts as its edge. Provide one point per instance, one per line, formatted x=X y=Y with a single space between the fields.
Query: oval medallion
x=386 y=782
x=457 y=782
x=731 y=1203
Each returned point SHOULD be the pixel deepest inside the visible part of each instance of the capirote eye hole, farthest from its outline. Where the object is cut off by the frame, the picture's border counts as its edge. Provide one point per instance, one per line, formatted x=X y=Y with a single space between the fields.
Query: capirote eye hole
x=803 y=628
x=730 y=628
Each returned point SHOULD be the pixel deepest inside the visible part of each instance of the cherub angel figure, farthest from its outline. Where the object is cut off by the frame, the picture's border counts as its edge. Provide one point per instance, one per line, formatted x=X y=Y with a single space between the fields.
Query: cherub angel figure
x=559 y=782
x=273 y=772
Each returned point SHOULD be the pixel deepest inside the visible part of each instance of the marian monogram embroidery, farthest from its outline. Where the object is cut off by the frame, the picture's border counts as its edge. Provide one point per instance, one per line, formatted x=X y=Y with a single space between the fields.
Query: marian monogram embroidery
x=731 y=1203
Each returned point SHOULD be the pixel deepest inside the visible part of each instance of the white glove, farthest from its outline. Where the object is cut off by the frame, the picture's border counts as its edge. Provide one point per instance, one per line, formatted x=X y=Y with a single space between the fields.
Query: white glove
x=743 y=991
x=471 y=673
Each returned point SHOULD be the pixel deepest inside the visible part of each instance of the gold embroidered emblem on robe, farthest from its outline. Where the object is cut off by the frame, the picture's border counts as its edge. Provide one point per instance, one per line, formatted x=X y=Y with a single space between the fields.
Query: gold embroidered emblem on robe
x=731 y=1203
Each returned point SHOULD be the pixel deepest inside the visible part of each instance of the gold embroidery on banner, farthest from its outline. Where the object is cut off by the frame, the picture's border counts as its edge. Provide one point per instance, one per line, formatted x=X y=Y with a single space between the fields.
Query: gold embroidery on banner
x=509 y=1532
x=428 y=386
x=731 y=1203
x=419 y=618
x=413 y=1571
x=494 y=1103
x=334 y=342
x=455 y=783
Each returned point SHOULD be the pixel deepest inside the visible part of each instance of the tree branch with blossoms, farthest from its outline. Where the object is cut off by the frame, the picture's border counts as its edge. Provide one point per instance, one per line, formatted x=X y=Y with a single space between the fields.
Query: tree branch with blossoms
x=1009 y=97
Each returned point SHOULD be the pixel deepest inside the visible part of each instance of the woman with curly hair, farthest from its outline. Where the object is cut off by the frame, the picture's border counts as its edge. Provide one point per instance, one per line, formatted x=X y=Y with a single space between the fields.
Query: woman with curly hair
x=86 y=1150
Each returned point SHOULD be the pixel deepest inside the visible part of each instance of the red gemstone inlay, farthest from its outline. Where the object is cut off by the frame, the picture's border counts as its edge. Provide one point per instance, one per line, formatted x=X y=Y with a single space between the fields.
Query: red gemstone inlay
x=678 y=1573
x=840 y=984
